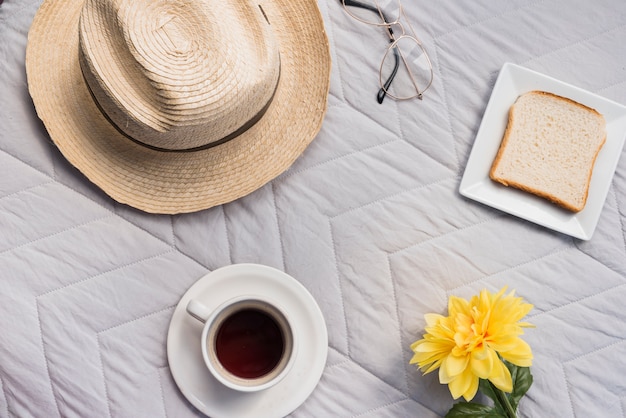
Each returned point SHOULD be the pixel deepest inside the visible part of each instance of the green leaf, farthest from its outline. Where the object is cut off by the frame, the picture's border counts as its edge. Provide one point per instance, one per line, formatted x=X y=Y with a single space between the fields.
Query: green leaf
x=471 y=409
x=485 y=387
x=488 y=389
x=522 y=380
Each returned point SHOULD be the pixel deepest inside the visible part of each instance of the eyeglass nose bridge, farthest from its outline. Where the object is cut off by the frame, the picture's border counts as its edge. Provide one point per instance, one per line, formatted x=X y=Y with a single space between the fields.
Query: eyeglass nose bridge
x=393 y=34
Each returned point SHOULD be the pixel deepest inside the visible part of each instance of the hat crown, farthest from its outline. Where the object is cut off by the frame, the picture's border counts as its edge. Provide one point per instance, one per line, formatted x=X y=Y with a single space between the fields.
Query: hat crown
x=182 y=74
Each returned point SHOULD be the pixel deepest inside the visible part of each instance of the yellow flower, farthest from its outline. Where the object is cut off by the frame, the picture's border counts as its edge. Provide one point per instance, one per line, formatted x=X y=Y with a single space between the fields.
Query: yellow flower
x=470 y=343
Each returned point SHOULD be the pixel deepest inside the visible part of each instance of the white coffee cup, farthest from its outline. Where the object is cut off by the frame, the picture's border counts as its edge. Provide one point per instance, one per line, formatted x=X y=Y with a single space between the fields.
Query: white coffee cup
x=248 y=343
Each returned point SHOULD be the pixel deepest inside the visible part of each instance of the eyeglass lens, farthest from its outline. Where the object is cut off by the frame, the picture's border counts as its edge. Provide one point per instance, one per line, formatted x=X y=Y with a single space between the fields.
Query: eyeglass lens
x=414 y=74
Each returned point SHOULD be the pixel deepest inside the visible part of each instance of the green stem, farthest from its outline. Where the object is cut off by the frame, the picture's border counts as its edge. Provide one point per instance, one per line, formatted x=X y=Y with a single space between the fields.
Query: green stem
x=503 y=400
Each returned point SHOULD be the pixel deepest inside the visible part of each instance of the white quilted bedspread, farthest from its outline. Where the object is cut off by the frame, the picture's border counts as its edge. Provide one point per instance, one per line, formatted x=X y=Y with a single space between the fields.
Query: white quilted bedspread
x=369 y=220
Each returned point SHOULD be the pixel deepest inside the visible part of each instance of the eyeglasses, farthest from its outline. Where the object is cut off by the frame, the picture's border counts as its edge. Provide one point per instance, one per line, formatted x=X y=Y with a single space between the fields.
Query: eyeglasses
x=415 y=75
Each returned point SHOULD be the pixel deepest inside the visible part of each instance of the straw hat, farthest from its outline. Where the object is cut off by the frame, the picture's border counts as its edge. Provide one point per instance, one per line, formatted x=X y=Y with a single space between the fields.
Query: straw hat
x=177 y=106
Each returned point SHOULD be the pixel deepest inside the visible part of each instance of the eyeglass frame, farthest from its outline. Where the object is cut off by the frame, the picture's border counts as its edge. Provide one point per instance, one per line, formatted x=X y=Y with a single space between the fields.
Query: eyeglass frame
x=393 y=40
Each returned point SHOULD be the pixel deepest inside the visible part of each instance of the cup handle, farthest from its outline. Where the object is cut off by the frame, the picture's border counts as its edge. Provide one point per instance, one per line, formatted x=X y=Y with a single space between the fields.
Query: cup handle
x=198 y=310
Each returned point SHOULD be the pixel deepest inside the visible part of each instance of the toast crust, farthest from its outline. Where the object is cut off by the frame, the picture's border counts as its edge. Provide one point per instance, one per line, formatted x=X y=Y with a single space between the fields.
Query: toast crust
x=528 y=188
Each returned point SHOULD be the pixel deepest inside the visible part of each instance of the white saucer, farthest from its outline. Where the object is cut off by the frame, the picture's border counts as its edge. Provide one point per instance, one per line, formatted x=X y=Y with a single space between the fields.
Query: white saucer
x=185 y=357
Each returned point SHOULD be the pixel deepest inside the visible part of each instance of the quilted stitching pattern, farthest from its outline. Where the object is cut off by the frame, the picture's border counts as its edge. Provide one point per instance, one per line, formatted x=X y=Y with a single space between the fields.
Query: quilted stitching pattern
x=368 y=219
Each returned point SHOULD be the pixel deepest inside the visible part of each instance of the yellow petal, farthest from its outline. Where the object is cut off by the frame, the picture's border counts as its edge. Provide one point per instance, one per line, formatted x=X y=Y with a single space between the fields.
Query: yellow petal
x=501 y=377
x=432 y=319
x=466 y=385
x=471 y=391
x=453 y=366
x=482 y=362
x=518 y=361
x=423 y=346
x=434 y=366
x=456 y=305
x=520 y=355
x=425 y=360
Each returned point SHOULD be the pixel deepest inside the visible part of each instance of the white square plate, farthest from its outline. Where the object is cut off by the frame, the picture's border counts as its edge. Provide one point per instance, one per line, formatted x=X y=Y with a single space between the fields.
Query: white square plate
x=513 y=81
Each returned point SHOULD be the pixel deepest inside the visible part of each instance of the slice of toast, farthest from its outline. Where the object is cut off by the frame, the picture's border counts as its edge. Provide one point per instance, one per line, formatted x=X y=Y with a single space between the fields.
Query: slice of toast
x=549 y=148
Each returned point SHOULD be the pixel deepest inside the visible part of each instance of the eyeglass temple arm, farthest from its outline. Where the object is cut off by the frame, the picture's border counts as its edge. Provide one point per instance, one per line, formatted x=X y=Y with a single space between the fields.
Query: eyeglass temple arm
x=356 y=3
x=383 y=90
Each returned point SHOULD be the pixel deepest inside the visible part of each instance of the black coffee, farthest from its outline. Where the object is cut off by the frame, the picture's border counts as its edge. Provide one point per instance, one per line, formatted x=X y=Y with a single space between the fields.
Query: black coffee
x=249 y=343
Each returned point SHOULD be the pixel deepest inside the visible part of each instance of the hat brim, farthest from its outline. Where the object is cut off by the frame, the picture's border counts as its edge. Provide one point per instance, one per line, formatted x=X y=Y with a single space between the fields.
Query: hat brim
x=177 y=182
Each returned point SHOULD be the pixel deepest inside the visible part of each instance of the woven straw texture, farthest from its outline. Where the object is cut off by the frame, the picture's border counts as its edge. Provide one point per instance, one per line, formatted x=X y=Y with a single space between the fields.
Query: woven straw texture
x=210 y=96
